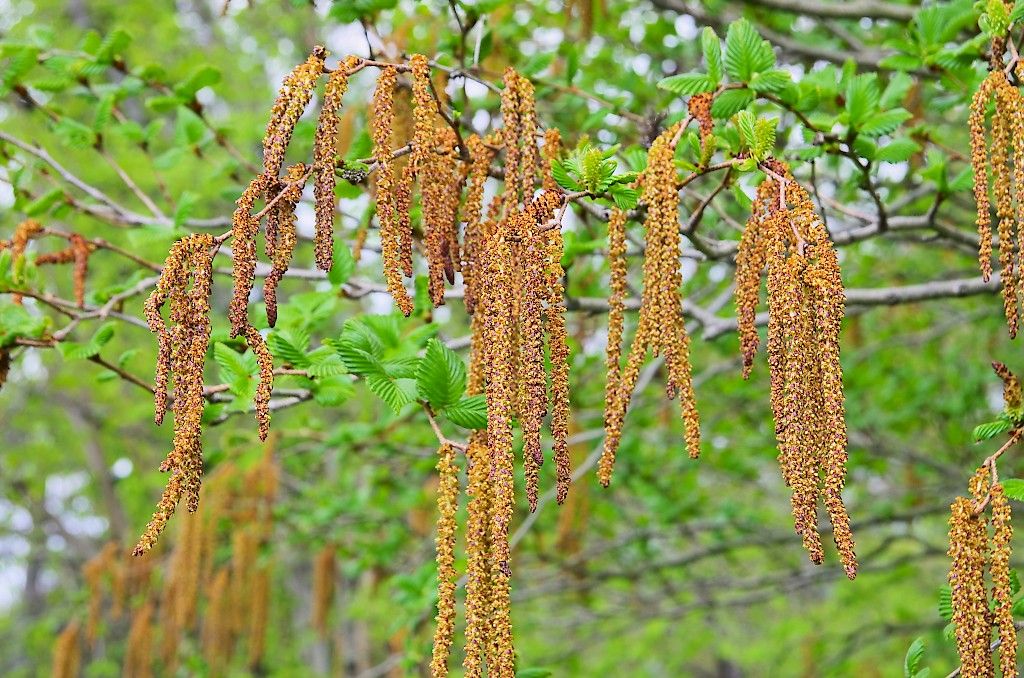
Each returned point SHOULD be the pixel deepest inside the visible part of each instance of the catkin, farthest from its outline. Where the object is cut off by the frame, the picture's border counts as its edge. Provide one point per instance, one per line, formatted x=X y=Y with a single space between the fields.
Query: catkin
x=479 y=555
x=447 y=504
x=292 y=99
x=67 y=652
x=324 y=573
x=325 y=143
x=285 y=237
x=138 y=660
x=1002 y=594
x=661 y=326
x=968 y=550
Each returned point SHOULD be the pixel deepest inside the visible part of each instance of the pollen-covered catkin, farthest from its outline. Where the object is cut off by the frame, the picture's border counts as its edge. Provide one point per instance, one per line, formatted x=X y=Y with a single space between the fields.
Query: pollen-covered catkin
x=979 y=163
x=473 y=239
x=285 y=236
x=67 y=652
x=24 y=232
x=1002 y=171
x=968 y=552
x=264 y=389
x=478 y=555
x=388 y=209
x=1002 y=591
x=447 y=505
x=244 y=227
x=292 y=99
x=325 y=143
x=661 y=326
x=324 y=574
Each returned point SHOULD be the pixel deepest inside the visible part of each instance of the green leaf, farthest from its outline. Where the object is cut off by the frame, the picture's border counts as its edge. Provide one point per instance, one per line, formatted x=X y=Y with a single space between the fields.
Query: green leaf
x=730 y=102
x=325 y=363
x=43 y=203
x=686 y=84
x=898 y=150
x=441 y=377
x=469 y=412
x=711 y=46
x=344 y=264
x=189 y=128
x=561 y=175
x=289 y=346
x=388 y=391
x=885 y=122
x=770 y=81
x=204 y=76
x=625 y=198
x=1014 y=488
x=70 y=350
x=745 y=125
x=912 y=661
x=235 y=367
x=862 y=98
x=991 y=429
x=945 y=602
x=899 y=84
x=331 y=391
x=745 y=52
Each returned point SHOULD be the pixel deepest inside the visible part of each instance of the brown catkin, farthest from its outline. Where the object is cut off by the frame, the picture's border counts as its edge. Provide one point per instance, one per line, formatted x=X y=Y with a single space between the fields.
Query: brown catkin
x=1011 y=387
x=190 y=261
x=81 y=249
x=530 y=256
x=292 y=99
x=67 y=652
x=1002 y=594
x=979 y=163
x=750 y=262
x=474 y=238
x=324 y=574
x=447 y=505
x=1002 y=171
x=478 y=555
x=325 y=145
x=244 y=227
x=528 y=133
x=512 y=133
x=388 y=209
x=138 y=658
x=285 y=237
x=661 y=326
x=261 y=402
x=23 y=232
x=968 y=552
x=616 y=302
x=259 y=614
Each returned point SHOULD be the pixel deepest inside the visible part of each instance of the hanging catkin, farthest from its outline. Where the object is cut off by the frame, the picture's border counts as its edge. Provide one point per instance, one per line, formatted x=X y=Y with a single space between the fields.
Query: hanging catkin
x=285 y=236
x=447 y=504
x=325 y=146
x=661 y=327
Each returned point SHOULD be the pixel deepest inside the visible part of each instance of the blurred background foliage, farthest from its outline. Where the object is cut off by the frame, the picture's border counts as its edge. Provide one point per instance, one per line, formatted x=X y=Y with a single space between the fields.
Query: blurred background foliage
x=680 y=568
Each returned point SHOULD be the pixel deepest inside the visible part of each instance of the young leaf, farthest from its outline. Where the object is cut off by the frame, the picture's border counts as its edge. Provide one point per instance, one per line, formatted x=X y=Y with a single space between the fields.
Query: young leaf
x=912 y=661
x=469 y=412
x=388 y=391
x=745 y=52
x=686 y=84
x=730 y=102
x=441 y=377
x=1014 y=488
x=712 y=48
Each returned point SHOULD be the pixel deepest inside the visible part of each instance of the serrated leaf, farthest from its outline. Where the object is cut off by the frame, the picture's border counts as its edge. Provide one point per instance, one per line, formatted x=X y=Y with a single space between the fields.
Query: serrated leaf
x=912 y=660
x=441 y=376
x=686 y=84
x=625 y=198
x=1014 y=488
x=991 y=429
x=344 y=264
x=328 y=365
x=898 y=150
x=730 y=102
x=770 y=81
x=234 y=366
x=885 y=122
x=862 y=98
x=711 y=46
x=289 y=346
x=745 y=52
x=333 y=390
x=387 y=390
x=469 y=412
x=560 y=173
x=945 y=602
x=204 y=76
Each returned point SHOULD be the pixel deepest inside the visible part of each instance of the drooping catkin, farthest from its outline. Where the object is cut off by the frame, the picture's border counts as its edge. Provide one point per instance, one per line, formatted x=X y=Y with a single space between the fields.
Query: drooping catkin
x=81 y=249
x=265 y=388
x=529 y=252
x=968 y=551
x=661 y=326
x=440 y=190
x=324 y=574
x=186 y=283
x=474 y=239
x=244 y=227
x=388 y=214
x=138 y=658
x=292 y=99
x=1002 y=170
x=325 y=143
x=447 y=505
x=259 y=615
x=527 y=132
x=512 y=134
x=23 y=232
x=478 y=555
x=67 y=652
x=1002 y=593
x=785 y=237
x=285 y=237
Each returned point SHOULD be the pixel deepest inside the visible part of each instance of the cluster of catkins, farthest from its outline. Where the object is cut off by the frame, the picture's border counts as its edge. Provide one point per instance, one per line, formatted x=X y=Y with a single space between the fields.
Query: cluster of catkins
x=510 y=260
x=233 y=592
x=77 y=252
x=661 y=327
x=1004 y=157
x=972 y=550
x=785 y=236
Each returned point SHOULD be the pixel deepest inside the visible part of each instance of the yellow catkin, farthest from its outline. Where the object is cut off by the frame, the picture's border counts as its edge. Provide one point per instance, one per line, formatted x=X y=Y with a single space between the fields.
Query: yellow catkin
x=528 y=133
x=325 y=143
x=440 y=189
x=447 y=505
x=285 y=236
x=661 y=326
x=968 y=552
x=190 y=261
x=292 y=99
x=979 y=163
x=67 y=652
x=261 y=402
x=478 y=555
x=259 y=614
x=750 y=262
x=217 y=638
x=138 y=658
x=1012 y=395
x=511 y=133
x=474 y=238
x=388 y=213
x=324 y=574
x=1002 y=171
x=1002 y=595
x=244 y=227
x=530 y=257
x=616 y=302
